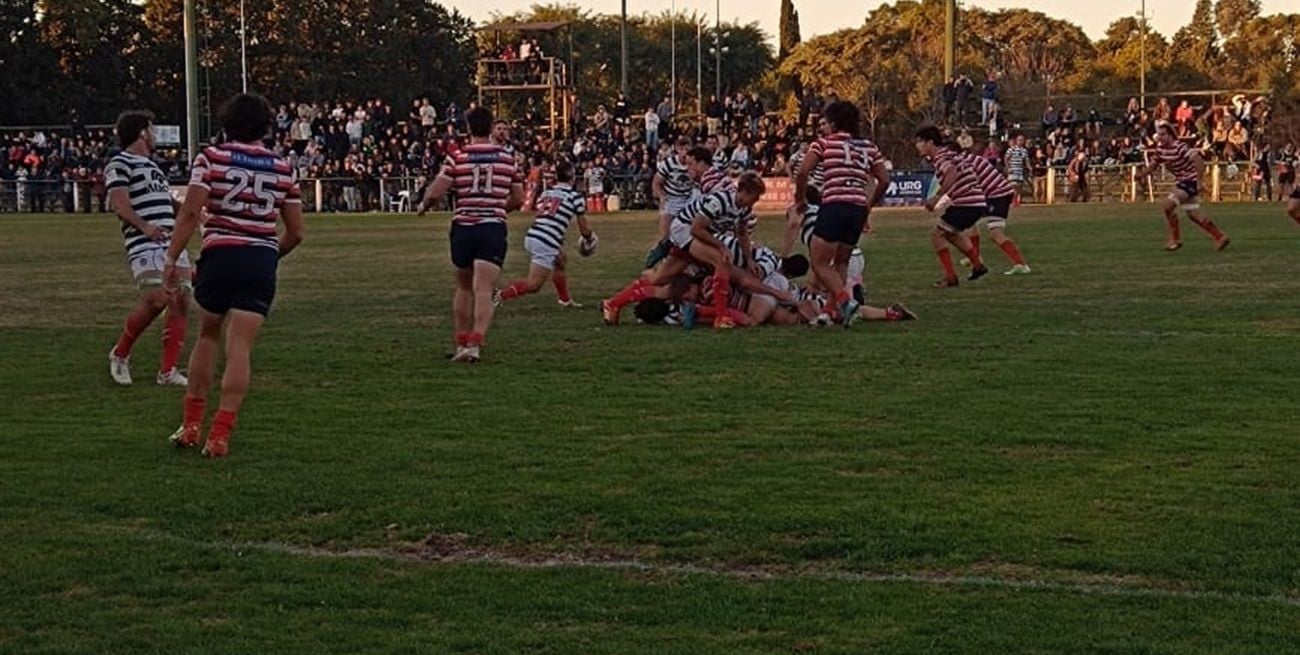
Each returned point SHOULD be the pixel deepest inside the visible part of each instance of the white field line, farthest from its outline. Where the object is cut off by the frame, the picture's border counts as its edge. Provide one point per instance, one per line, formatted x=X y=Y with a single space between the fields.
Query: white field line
x=482 y=556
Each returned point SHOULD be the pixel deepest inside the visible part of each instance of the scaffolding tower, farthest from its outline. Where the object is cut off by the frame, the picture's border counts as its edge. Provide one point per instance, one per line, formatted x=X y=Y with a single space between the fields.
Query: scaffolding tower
x=543 y=83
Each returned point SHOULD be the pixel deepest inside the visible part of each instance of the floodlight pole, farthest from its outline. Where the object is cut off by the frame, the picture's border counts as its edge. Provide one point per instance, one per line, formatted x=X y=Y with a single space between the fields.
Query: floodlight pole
x=673 y=86
x=623 y=30
x=243 y=45
x=191 y=81
x=949 y=39
x=1143 y=90
x=717 y=48
x=699 y=67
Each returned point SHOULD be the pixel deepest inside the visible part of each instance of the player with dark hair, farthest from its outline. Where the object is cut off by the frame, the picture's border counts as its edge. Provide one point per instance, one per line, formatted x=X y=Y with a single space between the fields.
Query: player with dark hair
x=557 y=208
x=140 y=196
x=1185 y=164
x=960 y=202
x=1000 y=194
x=245 y=190
x=848 y=163
x=488 y=186
x=694 y=235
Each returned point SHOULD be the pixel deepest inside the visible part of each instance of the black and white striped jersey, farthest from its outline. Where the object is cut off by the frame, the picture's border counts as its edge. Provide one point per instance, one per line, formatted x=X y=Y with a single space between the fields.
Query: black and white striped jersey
x=766 y=258
x=808 y=225
x=556 y=209
x=720 y=208
x=678 y=185
x=818 y=176
x=150 y=195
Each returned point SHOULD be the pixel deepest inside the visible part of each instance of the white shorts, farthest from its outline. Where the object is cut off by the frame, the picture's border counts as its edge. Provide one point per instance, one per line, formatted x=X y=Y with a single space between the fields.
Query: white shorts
x=147 y=267
x=674 y=206
x=680 y=234
x=542 y=253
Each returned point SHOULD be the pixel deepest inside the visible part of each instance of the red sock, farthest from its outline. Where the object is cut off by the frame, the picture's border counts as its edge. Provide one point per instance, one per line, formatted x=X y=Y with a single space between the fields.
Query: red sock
x=1013 y=253
x=136 y=322
x=222 y=423
x=721 y=292
x=561 y=282
x=639 y=290
x=193 y=408
x=975 y=248
x=515 y=289
x=1175 y=231
x=945 y=260
x=173 y=340
x=462 y=339
x=474 y=340
x=1210 y=228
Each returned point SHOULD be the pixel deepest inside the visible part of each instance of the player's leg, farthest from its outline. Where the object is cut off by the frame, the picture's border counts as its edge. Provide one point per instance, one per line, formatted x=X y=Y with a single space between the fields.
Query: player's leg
x=242 y=327
x=485 y=278
x=146 y=270
x=173 y=337
x=822 y=254
x=1189 y=202
x=1293 y=207
x=560 y=280
x=950 y=229
x=201 y=367
x=544 y=258
x=998 y=233
x=153 y=300
x=462 y=306
x=1170 y=208
x=716 y=260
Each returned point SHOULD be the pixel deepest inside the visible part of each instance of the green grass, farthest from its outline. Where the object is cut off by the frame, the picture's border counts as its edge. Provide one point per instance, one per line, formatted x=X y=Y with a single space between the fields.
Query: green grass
x=1100 y=457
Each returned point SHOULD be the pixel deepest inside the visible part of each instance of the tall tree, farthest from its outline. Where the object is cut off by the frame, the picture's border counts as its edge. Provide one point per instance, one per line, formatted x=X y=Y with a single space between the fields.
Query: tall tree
x=1231 y=15
x=1196 y=44
x=789 y=39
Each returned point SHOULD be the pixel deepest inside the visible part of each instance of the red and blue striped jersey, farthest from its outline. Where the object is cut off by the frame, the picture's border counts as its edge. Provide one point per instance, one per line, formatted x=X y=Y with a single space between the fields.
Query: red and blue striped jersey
x=247 y=187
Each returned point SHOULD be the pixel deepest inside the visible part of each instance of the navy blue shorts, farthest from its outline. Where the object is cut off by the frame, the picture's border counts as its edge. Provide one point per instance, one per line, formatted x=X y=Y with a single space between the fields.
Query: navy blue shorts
x=480 y=242
x=1191 y=187
x=1295 y=194
x=1000 y=207
x=960 y=219
x=236 y=277
x=841 y=222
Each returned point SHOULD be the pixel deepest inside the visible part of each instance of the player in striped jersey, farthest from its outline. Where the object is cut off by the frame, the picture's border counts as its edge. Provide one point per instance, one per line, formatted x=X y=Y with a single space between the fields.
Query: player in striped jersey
x=557 y=208
x=1000 y=196
x=245 y=190
x=1293 y=205
x=488 y=185
x=673 y=185
x=717 y=154
x=960 y=201
x=850 y=166
x=140 y=196
x=704 y=179
x=694 y=235
x=1017 y=163
x=1185 y=165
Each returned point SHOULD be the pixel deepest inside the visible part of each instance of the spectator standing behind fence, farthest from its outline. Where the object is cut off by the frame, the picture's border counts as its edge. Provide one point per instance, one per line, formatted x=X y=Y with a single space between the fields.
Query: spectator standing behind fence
x=949 y=98
x=1238 y=140
x=964 y=88
x=1077 y=174
x=713 y=116
x=1265 y=160
x=988 y=98
x=652 y=129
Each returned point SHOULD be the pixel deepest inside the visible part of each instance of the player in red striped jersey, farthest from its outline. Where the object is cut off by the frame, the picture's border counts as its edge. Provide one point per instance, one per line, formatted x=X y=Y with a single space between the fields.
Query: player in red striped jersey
x=849 y=164
x=1000 y=195
x=960 y=201
x=1293 y=205
x=1185 y=164
x=245 y=190
x=488 y=185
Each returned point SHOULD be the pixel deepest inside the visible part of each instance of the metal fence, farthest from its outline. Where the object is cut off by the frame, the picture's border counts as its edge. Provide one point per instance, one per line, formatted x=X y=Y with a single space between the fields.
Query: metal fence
x=1119 y=183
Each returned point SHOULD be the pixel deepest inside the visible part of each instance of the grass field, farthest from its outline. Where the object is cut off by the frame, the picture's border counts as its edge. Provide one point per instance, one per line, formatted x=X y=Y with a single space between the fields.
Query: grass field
x=1103 y=457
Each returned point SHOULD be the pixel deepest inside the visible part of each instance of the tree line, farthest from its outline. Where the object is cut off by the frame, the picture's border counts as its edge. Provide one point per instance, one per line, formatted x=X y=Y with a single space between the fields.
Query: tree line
x=94 y=57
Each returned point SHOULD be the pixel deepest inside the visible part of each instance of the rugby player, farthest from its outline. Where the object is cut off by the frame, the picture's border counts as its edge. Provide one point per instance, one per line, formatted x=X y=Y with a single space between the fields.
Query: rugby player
x=1185 y=164
x=960 y=202
x=557 y=208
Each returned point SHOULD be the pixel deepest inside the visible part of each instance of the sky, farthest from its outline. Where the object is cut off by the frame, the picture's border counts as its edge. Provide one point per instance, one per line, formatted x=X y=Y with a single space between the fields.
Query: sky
x=824 y=16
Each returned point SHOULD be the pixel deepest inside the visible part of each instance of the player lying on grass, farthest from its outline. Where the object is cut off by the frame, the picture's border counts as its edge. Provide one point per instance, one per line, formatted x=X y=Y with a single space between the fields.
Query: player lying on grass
x=557 y=208
x=694 y=235
x=960 y=203
x=140 y=196
x=246 y=190
x=1185 y=164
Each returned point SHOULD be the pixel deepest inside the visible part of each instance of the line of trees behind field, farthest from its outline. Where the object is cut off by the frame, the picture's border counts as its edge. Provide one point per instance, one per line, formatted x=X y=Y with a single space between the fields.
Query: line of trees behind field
x=94 y=57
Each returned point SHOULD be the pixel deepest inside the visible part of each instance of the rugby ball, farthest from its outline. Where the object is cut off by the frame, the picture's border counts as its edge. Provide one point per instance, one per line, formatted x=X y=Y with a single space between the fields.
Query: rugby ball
x=586 y=247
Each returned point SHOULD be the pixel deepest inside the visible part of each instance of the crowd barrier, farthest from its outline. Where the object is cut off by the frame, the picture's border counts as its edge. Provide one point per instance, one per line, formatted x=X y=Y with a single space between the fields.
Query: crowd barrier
x=1116 y=183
